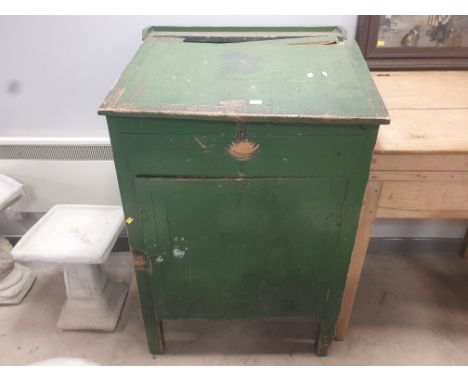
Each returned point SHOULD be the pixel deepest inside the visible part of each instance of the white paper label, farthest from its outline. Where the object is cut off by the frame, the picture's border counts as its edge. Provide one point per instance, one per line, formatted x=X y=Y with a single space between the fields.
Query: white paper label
x=255 y=101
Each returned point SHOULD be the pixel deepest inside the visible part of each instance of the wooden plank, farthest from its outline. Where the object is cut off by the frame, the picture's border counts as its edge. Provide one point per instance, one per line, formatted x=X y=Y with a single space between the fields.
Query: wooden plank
x=446 y=176
x=419 y=162
x=393 y=213
x=423 y=90
x=425 y=131
x=428 y=112
x=368 y=210
x=424 y=199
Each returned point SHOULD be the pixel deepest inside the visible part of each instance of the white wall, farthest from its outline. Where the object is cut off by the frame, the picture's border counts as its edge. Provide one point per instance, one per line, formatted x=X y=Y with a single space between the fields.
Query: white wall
x=64 y=66
x=55 y=71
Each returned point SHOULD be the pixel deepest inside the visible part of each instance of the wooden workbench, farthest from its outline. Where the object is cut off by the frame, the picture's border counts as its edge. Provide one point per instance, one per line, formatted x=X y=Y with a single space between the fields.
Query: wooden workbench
x=420 y=163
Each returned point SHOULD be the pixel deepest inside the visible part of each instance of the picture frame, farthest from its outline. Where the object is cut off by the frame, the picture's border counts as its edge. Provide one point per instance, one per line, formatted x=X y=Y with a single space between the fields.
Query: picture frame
x=413 y=42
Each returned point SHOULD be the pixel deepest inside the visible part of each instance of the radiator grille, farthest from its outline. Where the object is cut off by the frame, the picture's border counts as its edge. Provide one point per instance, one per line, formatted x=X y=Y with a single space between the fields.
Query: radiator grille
x=56 y=152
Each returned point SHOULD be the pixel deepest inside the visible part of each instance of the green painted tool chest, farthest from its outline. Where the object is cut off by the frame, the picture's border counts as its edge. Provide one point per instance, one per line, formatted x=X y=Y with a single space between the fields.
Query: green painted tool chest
x=242 y=155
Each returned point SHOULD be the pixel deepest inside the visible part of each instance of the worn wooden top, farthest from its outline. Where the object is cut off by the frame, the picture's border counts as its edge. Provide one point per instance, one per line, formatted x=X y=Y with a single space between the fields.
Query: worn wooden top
x=294 y=74
x=428 y=110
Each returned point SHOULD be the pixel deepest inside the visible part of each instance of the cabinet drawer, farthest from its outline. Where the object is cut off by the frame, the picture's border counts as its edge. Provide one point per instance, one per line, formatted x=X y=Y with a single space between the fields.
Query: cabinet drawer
x=257 y=155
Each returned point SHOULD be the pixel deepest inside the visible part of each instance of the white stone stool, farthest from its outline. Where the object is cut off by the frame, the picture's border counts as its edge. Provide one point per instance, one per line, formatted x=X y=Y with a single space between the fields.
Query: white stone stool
x=15 y=279
x=80 y=237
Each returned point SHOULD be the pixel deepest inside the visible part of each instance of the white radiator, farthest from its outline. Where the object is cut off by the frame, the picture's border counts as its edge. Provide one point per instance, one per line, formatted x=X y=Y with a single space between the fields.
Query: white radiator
x=60 y=170
x=81 y=171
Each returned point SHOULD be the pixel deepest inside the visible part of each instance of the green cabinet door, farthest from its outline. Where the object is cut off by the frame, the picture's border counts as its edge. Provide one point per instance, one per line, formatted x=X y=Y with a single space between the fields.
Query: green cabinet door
x=242 y=247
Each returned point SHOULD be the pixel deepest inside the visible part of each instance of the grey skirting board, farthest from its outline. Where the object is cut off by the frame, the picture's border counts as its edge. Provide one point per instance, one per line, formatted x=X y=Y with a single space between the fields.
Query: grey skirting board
x=377 y=244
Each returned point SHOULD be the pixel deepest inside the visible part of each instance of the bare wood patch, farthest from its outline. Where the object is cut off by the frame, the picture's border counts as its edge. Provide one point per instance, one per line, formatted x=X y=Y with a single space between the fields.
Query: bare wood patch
x=243 y=150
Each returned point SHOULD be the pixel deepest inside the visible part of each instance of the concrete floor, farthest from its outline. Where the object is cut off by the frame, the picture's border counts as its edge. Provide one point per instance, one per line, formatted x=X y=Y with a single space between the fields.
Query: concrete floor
x=411 y=309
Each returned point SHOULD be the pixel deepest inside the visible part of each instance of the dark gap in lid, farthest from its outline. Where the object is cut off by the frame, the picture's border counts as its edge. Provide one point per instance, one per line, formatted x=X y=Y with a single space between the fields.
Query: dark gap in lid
x=316 y=43
x=234 y=39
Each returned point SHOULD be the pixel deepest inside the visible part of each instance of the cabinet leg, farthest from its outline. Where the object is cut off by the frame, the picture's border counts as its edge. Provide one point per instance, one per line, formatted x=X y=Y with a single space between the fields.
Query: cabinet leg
x=153 y=326
x=156 y=345
x=322 y=342
x=464 y=248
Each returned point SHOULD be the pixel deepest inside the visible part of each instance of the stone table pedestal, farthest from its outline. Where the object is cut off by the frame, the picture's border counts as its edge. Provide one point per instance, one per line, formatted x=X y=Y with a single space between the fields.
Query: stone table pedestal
x=80 y=238
x=15 y=279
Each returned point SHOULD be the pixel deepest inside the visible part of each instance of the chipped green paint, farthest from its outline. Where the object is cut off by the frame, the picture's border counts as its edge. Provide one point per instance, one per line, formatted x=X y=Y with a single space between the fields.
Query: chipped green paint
x=290 y=79
x=244 y=201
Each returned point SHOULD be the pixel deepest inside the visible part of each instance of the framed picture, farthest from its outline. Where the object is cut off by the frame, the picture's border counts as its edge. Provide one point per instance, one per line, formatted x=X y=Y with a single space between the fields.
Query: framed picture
x=414 y=42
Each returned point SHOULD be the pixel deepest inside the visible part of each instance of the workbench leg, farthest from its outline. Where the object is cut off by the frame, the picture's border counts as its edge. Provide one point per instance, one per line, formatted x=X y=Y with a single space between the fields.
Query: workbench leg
x=368 y=211
x=153 y=326
x=464 y=248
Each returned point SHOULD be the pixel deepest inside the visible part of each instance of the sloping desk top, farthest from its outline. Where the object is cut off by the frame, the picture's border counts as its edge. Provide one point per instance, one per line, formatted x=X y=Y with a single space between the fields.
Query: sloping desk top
x=300 y=75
